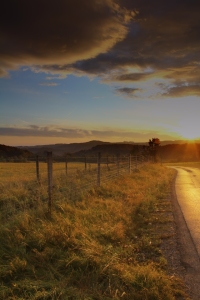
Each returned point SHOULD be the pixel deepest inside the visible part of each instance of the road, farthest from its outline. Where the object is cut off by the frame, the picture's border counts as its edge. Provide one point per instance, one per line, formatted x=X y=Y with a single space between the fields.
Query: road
x=188 y=194
x=187 y=215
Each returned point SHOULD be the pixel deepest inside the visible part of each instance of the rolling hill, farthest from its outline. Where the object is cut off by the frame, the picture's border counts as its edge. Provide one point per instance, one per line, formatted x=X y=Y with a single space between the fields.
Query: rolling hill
x=13 y=152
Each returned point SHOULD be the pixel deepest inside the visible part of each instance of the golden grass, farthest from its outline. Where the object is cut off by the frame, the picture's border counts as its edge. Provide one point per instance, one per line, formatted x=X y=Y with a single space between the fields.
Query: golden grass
x=100 y=247
x=16 y=172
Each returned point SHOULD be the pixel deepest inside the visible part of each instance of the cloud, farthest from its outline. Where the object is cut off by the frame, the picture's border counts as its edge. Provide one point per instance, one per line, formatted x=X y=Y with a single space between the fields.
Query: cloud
x=44 y=32
x=130 y=92
x=163 y=37
x=131 y=77
x=49 y=84
x=42 y=131
x=107 y=38
x=73 y=133
x=183 y=91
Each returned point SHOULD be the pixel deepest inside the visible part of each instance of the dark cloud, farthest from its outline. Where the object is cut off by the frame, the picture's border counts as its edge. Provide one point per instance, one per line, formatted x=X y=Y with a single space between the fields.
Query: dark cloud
x=58 y=32
x=163 y=37
x=131 y=77
x=126 y=41
x=130 y=92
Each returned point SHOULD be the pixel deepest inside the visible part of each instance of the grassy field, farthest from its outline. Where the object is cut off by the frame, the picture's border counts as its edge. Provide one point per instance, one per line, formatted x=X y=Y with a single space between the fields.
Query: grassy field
x=106 y=245
x=18 y=172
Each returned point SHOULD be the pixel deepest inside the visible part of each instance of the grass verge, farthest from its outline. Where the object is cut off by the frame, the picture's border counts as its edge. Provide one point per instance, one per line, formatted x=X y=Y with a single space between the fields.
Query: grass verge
x=106 y=245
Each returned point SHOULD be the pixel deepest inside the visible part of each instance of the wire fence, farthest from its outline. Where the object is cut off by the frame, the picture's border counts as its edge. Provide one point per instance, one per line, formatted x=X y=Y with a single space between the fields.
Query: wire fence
x=72 y=175
x=95 y=172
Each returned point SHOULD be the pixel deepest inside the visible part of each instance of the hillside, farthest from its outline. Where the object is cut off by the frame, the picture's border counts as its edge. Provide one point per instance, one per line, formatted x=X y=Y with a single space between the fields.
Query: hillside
x=13 y=152
x=112 y=149
x=61 y=149
x=92 y=147
x=168 y=152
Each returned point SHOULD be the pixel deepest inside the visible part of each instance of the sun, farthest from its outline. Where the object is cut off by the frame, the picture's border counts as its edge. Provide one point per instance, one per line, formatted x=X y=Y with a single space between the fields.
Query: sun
x=190 y=134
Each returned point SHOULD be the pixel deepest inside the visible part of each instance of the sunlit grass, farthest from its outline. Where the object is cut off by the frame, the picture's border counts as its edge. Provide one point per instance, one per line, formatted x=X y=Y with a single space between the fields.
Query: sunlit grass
x=16 y=172
x=106 y=245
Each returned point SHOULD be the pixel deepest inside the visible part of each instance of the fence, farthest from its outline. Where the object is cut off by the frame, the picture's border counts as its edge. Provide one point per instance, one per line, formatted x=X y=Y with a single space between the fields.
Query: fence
x=95 y=172
x=76 y=175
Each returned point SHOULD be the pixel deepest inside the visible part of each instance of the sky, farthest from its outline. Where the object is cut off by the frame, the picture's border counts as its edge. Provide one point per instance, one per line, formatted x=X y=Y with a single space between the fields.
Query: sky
x=111 y=70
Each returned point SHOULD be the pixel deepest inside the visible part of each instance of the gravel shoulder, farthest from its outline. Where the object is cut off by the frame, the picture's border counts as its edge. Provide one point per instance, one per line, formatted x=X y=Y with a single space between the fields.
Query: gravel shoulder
x=178 y=248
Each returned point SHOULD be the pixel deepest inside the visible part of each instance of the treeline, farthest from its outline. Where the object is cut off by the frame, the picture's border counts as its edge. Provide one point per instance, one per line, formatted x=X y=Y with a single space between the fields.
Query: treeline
x=14 y=154
x=170 y=152
x=180 y=152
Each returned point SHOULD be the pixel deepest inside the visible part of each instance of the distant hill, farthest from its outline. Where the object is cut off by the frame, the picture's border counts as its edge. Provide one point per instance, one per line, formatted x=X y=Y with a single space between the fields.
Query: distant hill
x=13 y=152
x=112 y=148
x=169 y=150
x=92 y=147
x=61 y=149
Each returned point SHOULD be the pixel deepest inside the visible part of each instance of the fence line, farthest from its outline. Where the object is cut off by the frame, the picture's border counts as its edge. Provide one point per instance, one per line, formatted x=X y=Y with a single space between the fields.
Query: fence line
x=104 y=169
x=94 y=172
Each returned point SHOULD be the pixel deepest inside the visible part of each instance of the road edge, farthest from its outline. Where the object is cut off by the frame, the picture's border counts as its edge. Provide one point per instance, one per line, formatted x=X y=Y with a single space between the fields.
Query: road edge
x=188 y=253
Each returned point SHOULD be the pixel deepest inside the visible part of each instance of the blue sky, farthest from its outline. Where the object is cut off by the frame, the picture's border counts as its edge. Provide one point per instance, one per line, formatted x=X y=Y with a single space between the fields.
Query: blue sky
x=136 y=76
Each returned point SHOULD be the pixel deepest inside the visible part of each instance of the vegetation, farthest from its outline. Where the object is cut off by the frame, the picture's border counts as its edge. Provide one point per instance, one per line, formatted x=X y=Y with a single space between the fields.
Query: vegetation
x=25 y=172
x=8 y=153
x=105 y=245
x=170 y=152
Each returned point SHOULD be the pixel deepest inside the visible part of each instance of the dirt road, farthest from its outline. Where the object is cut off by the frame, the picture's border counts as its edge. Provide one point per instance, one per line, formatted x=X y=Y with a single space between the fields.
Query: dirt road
x=186 y=204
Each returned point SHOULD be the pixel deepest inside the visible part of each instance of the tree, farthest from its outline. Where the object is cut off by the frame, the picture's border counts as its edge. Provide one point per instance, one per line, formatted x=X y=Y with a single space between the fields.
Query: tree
x=153 y=147
x=154 y=142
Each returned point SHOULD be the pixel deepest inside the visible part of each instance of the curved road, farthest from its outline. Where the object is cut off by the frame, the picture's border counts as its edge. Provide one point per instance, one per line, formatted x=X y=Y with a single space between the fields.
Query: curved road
x=188 y=195
x=187 y=214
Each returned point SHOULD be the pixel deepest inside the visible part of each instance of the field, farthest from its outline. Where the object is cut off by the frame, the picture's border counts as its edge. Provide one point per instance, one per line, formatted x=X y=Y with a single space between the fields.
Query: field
x=104 y=245
x=18 y=172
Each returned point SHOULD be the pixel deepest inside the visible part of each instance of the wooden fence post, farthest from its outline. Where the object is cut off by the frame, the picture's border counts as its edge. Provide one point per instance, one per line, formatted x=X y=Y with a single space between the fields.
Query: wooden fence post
x=99 y=169
x=50 y=181
x=107 y=161
x=37 y=169
x=118 y=164
x=136 y=162
x=66 y=166
x=129 y=164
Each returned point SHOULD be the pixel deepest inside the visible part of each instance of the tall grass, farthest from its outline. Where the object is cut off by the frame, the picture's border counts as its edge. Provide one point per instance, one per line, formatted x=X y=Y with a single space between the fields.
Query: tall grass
x=18 y=172
x=101 y=246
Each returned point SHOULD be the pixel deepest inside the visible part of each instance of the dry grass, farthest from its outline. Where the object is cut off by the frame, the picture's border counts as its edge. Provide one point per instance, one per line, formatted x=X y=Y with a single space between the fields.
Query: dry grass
x=101 y=247
x=18 y=172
